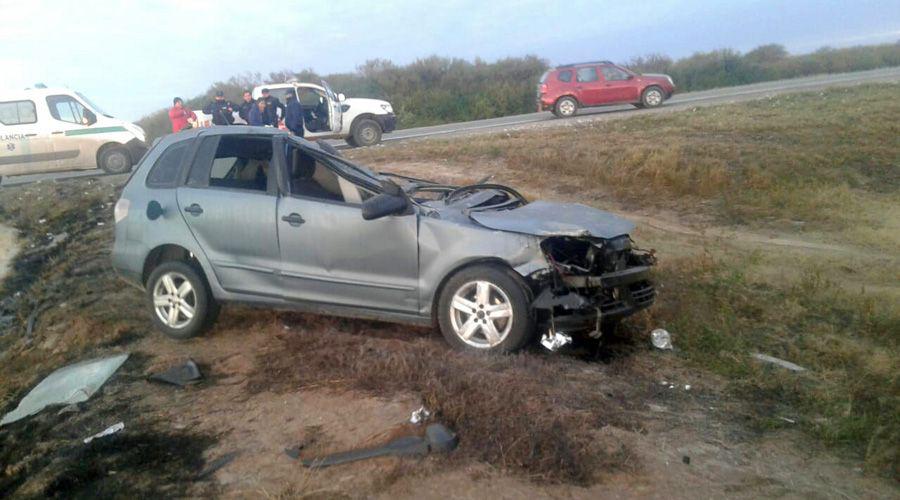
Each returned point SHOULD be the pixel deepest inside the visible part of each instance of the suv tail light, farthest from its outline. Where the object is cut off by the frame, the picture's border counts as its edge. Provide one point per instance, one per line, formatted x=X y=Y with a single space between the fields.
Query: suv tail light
x=121 y=210
x=543 y=88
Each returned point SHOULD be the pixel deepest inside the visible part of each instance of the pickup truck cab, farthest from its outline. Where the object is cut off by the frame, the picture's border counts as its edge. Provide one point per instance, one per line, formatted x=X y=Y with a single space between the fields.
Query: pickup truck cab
x=57 y=129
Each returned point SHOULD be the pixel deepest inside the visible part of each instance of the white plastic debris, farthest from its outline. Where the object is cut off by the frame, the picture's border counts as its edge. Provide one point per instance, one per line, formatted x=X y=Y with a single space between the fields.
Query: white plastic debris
x=419 y=416
x=780 y=362
x=68 y=385
x=106 y=432
x=661 y=339
x=687 y=387
x=553 y=341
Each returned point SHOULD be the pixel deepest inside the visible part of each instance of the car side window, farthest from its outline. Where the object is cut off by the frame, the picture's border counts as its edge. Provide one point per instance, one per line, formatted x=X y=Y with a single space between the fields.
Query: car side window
x=613 y=74
x=587 y=75
x=164 y=172
x=309 y=177
x=232 y=162
x=17 y=113
x=65 y=108
x=565 y=76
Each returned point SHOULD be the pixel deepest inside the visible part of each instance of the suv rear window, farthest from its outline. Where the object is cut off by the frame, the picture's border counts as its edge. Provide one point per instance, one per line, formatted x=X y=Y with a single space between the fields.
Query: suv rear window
x=565 y=76
x=17 y=113
x=164 y=172
x=587 y=74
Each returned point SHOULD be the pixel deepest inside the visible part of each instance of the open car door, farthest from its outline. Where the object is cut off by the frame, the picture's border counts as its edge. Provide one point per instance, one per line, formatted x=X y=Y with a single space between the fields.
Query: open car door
x=335 y=118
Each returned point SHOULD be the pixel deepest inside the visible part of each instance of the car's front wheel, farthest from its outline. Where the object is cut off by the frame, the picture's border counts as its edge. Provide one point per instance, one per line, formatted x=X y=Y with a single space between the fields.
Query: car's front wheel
x=115 y=160
x=652 y=97
x=485 y=308
x=565 y=107
x=180 y=302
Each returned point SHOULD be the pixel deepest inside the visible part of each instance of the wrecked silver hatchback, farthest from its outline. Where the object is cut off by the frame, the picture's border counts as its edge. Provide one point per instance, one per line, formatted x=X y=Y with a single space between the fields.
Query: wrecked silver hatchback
x=251 y=215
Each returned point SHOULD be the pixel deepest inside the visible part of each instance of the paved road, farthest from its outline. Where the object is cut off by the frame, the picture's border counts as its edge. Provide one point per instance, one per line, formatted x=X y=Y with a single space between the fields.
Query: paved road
x=685 y=100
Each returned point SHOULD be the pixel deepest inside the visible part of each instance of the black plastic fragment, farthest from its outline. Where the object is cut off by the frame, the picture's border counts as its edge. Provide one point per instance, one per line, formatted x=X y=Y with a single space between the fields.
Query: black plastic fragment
x=180 y=375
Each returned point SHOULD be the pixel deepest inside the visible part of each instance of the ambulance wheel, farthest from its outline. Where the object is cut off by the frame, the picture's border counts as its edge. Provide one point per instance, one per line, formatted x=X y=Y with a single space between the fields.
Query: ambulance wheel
x=115 y=160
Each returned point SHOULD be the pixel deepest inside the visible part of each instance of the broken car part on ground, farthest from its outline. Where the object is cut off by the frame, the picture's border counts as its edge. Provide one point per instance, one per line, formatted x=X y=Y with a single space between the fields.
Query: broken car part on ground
x=438 y=439
x=322 y=234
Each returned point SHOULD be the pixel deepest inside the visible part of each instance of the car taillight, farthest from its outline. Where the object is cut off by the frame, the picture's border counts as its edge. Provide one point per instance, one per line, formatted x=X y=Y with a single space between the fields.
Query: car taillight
x=121 y=210
x=543 y=88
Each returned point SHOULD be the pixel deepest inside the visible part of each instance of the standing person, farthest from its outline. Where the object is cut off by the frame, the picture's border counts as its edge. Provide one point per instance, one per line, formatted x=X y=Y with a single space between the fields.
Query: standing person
x=258 y=115
x=222 y=111
x=181 y=116
x=272 y=106
x=293 y=115
x=246 y=105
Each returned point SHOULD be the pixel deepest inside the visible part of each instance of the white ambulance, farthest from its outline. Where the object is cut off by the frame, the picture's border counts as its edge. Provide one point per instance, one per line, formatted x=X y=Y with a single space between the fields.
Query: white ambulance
x=56 y=129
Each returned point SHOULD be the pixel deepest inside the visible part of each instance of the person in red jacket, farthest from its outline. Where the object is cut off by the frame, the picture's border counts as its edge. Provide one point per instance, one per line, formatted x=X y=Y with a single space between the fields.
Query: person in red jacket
x=181 y=117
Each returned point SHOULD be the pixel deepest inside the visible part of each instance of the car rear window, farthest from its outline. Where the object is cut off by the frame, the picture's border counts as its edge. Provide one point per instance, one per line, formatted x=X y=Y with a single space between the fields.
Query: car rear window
x=164 y=172
x=565 y=76
x=17 y=113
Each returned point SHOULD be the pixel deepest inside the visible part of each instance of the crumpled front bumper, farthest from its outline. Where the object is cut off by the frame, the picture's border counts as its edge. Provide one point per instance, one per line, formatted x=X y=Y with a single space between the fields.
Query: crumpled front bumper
x=584 y=301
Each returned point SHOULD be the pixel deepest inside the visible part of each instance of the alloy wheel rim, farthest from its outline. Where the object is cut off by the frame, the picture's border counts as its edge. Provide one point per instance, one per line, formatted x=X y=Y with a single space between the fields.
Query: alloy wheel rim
x=481 y=314
x=653 y=97
x=174 y=300
x=567 y=107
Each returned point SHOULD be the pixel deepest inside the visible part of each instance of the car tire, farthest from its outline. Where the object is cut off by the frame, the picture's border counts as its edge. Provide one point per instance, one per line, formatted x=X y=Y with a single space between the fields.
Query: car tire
x=115 y=161
x=565 y=107
x=652 y=97
x=471 y=296
x=351 y=141
x=367 y=133
x=197 y=309
x=638 y=105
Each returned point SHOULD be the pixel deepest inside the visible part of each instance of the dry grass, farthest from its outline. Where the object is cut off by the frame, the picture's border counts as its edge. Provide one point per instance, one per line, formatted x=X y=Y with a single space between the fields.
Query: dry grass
x=529 y=414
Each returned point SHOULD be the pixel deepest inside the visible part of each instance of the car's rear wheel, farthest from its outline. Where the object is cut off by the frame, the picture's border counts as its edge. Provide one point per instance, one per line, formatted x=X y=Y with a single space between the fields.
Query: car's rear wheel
x=180 y=301
x=351 y=141
x=115 y=160
x=367 y=133
x=565 y=107
x=652 y=97
x=485 y=308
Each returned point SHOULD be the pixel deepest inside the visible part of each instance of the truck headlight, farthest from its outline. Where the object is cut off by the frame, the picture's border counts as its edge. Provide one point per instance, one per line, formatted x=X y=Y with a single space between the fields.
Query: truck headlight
x=387 y=108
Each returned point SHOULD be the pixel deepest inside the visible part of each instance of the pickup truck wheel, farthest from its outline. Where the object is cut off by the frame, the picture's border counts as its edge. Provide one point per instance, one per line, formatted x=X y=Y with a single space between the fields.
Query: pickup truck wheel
x=179 y=300
x=367 y=133
x=485 y=308
x=115 y=160
x=565 y=107
x=652 y=97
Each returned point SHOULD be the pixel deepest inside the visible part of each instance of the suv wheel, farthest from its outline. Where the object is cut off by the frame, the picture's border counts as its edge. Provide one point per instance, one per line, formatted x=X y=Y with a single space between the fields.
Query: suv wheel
x=180 y=302
x=115 y=161
x=367 y=133
x=485 y=308
x=652 y=97
x=565 y=107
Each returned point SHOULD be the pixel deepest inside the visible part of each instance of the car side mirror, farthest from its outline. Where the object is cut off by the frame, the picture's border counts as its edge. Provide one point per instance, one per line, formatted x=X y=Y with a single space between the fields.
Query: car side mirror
x=342 y=97
x=154 y=210
x=382 y=205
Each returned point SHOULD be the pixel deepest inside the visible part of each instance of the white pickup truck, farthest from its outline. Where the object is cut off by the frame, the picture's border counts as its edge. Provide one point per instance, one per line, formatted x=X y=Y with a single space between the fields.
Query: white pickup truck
x=326 y=115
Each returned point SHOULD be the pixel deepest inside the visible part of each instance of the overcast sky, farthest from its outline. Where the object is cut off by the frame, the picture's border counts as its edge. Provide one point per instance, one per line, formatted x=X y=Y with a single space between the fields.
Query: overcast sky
x=132 y=57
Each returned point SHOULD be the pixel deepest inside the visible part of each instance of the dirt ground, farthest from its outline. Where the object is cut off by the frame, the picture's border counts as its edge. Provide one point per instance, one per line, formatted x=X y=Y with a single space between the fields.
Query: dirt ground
x=8 y=248
x=278 y=380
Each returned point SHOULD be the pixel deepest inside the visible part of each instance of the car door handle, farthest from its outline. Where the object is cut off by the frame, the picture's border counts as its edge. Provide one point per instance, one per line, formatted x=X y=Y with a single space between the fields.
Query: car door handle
x=293 y=219
x=194 y=210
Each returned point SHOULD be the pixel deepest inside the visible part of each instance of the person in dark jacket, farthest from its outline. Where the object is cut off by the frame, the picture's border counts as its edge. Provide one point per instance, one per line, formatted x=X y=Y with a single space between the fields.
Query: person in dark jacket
x=222 y=111
x=272 y=106
x=258 y=115
x=245 y=107
x=293 y=115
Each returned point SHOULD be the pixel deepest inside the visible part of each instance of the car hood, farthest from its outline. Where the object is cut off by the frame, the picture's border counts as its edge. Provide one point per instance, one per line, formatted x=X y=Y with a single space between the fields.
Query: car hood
x=544 y=218
x=363 y=101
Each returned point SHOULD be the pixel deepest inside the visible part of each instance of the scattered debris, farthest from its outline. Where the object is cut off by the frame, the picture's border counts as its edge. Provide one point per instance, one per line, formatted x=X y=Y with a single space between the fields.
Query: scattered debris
x=438 y=438
x=686 y=460
x=780 y=362
x=788 y=420
x=419 y=416
x=661 y=339
x=180 y=375
x=71 y=384
x=217 y=464
x=32 y=318
x=106 y=432
x=554 y=341
x=73 y=408
x=687 y=387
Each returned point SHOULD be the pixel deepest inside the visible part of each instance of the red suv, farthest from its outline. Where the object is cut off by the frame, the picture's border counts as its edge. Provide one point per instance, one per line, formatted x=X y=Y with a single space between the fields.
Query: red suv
x=566 y=88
